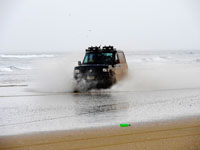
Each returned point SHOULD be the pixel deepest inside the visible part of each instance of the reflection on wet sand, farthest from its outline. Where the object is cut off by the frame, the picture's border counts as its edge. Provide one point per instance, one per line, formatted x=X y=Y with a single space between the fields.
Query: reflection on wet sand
x=98 y=103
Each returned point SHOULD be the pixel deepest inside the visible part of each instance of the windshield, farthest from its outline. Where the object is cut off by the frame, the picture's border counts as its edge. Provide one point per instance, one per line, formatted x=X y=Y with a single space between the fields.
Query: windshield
x=98 y=58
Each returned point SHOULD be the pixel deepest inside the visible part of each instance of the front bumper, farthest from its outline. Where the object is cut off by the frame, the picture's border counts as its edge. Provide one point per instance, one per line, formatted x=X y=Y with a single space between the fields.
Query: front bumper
x=101 y=80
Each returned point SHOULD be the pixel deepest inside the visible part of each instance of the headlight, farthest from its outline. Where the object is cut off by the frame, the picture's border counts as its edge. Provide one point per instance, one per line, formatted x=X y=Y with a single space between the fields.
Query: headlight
x=76 y=71
x=105 y=70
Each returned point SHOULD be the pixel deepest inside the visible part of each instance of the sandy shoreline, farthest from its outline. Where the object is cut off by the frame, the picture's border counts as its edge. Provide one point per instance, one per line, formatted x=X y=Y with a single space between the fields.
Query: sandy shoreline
x=182 y=133
x=63 y=121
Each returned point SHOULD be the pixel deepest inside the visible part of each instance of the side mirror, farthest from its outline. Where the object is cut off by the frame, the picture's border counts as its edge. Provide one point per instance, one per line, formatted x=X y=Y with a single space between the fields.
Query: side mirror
x=79 y=63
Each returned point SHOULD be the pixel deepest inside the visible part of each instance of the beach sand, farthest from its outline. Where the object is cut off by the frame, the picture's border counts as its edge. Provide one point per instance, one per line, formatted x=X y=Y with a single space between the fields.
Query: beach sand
x=177 y=134
x=166 y=119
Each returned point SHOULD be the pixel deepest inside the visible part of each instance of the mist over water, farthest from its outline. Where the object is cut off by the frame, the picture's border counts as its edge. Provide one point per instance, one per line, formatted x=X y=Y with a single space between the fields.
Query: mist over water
x=169 y=72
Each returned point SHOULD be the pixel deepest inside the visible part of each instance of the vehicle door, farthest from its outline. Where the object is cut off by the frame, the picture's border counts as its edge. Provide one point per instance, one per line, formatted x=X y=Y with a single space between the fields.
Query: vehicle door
x=117 y=67
x=123 y=64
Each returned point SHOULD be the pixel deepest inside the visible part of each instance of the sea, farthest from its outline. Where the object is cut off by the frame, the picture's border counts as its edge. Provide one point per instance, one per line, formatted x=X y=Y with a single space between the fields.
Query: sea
x=19 y=69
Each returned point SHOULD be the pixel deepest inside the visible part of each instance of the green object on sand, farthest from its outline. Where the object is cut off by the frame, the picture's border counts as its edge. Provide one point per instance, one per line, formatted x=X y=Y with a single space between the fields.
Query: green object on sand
x=125 y=125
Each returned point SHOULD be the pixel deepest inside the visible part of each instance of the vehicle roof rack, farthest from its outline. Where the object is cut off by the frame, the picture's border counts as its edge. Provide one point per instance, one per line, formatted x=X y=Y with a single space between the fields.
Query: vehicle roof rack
x=99 y=49
x=108 y=48
x=93 y=48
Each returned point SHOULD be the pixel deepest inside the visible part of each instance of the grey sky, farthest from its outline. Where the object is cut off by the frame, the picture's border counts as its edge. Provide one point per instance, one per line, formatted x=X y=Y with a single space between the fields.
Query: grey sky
x=64 y=25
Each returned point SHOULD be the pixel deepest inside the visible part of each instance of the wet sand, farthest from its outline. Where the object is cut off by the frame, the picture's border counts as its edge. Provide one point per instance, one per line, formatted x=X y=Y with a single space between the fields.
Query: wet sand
x=178 y=134
x=164 y=119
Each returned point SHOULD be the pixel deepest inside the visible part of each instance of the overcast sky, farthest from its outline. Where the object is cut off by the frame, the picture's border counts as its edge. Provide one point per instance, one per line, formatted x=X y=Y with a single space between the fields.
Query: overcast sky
x=65 y=25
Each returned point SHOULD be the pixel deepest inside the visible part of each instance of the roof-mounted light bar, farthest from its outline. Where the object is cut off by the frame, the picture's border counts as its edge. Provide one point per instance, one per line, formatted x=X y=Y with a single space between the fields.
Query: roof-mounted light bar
x=99 y=49
x=93 y=48
x=108 y=47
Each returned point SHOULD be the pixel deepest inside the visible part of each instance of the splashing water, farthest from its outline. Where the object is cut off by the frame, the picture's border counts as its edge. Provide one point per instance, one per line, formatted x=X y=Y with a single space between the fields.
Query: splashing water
x=56 y=74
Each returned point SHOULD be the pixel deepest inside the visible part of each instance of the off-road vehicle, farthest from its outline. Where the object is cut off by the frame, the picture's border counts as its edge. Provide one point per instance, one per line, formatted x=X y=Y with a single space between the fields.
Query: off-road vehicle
x=100 y=68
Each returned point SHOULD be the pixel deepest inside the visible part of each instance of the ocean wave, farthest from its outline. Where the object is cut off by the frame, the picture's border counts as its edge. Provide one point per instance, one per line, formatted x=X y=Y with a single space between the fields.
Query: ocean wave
x=13 y=68
x=150 y=59
x=19 y=68
x=27 y=56
x=7 y=69
x=164 y=59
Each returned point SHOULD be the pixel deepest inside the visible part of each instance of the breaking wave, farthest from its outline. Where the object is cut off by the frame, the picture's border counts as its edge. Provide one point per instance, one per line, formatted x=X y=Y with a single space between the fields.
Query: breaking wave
x=7 y=69
x=13 y=68
x=28 y=56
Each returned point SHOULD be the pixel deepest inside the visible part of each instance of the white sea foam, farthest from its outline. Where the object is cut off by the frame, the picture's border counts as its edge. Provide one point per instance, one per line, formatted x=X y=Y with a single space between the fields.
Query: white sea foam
x=27 y=56
x=14 y=68
x=7 y=69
